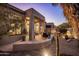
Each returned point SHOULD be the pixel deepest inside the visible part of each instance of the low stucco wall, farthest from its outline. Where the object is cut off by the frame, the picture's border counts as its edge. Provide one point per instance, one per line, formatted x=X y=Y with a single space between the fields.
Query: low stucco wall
x=9 y=39
x=25 y=46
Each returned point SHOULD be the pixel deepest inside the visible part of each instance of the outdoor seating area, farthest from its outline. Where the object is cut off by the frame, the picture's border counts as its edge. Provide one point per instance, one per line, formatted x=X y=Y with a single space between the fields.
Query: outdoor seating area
x=27 y=29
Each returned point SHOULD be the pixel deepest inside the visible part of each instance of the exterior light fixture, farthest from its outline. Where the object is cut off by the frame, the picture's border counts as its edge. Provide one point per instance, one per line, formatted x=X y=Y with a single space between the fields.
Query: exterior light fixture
x=10 y=31
x=75 y=37
x=63 y=37
x=45 y=52
x=68 y=33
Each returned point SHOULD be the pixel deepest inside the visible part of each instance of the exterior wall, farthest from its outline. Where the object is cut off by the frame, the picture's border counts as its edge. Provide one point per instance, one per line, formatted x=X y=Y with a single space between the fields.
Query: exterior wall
x=51 y=28
x=14 y=19
x=8 y=16
x=11 y=17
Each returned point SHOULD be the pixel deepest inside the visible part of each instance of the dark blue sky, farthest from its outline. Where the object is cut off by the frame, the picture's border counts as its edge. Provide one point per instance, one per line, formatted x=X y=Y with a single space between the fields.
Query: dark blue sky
x=52 y=13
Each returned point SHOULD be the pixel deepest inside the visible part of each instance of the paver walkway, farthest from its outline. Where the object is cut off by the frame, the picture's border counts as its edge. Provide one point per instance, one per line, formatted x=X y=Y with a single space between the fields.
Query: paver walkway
x=8 y=47
x=69 y=47
x=66 y=47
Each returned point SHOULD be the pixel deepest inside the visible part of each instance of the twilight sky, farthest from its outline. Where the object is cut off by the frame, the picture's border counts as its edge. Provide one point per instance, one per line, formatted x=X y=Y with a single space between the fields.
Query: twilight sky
x=52 y=13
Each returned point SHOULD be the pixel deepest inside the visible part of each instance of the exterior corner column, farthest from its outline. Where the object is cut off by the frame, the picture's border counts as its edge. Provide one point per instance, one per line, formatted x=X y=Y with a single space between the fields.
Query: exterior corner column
x=40 y=27
x=31 y=28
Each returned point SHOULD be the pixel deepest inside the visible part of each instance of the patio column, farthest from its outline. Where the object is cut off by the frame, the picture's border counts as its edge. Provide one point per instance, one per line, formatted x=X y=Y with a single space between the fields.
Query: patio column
x=31 y=28
x=40 y=27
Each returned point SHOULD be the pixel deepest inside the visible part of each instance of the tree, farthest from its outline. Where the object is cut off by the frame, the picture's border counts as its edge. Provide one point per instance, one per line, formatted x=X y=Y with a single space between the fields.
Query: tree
x=63 y=27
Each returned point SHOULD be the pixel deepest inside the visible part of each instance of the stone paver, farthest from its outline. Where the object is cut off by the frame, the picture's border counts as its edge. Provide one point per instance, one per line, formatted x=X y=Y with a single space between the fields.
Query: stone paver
x=69 y=47
x=8 y=47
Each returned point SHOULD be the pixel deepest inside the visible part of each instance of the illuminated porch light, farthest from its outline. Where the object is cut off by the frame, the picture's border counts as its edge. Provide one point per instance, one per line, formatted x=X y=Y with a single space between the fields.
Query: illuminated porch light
x=10 y=31
x=46 y=52
x=75 y=37
x=68 y=33
x=63 y=37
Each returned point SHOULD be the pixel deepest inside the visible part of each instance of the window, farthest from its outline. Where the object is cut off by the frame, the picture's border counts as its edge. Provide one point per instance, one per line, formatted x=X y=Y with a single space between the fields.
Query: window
x=36 y=27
